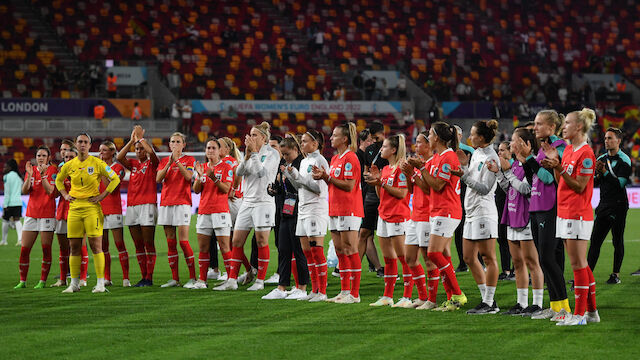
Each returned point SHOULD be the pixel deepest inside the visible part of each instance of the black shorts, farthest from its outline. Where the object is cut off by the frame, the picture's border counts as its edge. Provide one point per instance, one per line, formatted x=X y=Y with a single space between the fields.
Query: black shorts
x=14 y=212
x=370 y=220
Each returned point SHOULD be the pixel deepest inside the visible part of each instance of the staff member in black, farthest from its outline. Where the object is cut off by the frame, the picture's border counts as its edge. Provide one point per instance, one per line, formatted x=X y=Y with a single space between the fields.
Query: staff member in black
x=613 y=170
x=371 y=199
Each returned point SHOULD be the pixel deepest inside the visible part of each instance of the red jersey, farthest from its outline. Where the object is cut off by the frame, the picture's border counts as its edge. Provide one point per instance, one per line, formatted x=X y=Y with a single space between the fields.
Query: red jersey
x=580 y=162
x=421 y=204
x=112 y=204
x=392 y=209
x=446 y=202
x=142 y=183
x=342 y=203
x=42 y=205
x=176 y=190
x=63 y=205
x=234 y=164
x=212 y=200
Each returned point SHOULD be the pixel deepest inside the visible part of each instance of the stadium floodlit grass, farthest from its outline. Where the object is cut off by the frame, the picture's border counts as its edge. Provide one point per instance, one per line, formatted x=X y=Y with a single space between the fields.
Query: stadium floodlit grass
x=181 y=323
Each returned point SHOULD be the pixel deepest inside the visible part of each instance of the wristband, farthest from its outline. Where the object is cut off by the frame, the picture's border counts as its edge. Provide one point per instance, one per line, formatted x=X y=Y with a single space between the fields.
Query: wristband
x=139 y=140
x=423 y=168
x=563 y=171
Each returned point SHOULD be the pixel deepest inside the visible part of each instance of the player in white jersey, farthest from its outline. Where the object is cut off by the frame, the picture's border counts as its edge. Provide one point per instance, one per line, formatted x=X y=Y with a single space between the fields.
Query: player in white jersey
x=258 y=207
x=481 y=224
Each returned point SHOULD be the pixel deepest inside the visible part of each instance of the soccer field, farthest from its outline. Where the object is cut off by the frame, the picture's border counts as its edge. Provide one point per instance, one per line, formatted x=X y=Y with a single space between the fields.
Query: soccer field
x=180 y=323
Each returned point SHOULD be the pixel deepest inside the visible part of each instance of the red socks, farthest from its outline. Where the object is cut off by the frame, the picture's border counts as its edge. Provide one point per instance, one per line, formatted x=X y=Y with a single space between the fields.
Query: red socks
x=141 y=256
x=84 y=265
x=356 y=270
x=188 y=256
x=446 y=270
x=313 y=271
x=591 y=303
x=321 y=268
x=24 y=262
x=245 y=262
x=151 y=259
x=172 y=254
x=294 y=270
x=263 y=261
x=345 y=278
x=237 y=254
x=390 y=275
x=420 y=280
x=581 y=278
x=407 y=279
x=123 y=255
x=64 y=263
x=107 y=259
x=203 y=261
x=226 y=257
x=434 y=279
x=46 y=262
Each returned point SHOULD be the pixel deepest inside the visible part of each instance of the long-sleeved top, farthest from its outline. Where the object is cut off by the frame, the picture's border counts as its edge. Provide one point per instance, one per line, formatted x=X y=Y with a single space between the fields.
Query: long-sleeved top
x=12 y=189
x=516 y=208
x=479 y=201
x=313 y=194
x=286 y=191
x=616 y=176
x=258 y=172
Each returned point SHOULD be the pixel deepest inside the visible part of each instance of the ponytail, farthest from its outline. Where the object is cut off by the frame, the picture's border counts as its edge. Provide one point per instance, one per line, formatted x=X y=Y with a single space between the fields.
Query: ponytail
x=349 y=130
x=398 y=142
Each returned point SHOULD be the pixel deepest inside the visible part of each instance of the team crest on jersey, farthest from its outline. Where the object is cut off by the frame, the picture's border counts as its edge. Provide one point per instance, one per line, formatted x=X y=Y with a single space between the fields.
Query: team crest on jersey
x=480 y=166
x=230 y=172
x=336 y=172
x=587 y=163
x=309 y=168
x=390 y=181
x=134 y=169
x=348 y=167
x=570 y=169
x=263 y=158
x=91 y=170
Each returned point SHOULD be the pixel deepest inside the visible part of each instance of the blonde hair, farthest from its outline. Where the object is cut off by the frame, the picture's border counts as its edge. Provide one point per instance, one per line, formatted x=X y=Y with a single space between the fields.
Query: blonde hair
x=296 y=140
x=233 y=149
x=553 y=117
x=183 y=136
x=110 y=145
x=399 y=143
x=265 y=129
x=350 y=131
x=586 y=117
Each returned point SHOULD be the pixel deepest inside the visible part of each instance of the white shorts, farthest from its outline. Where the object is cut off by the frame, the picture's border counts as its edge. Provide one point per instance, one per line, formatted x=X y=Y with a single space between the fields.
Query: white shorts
x=208 y=223
x=143 y=215
x=480 y=229
x=234 y=206
x=259 y=217
x=417 y=233
x=344 y=223
x=174 y=215
x=312 y=226
x=388 y=229
x=573 y=229
x=61 y=227
x=113 y=221
x=520 y=234
x=33 y=224
x=443 y=226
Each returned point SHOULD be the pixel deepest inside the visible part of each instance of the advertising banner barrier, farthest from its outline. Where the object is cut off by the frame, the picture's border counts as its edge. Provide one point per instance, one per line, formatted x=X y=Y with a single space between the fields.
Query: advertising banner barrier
x=245 y=106
x=71 y=107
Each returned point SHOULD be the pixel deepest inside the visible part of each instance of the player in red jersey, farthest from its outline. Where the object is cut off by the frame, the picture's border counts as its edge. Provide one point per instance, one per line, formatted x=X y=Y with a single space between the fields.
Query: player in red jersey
x=142 y=211
x=445 y=208
x=61 y=217
x=112 y=211
x=575 y=214
x=392 y=188
x=175 y=173
x=213 y=181
x=418 y=229
x=345 y=209
x=41 y=212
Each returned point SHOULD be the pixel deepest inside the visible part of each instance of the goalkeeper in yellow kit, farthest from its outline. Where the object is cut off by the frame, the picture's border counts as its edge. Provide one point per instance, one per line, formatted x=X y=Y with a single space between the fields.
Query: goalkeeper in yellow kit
x=85 y=214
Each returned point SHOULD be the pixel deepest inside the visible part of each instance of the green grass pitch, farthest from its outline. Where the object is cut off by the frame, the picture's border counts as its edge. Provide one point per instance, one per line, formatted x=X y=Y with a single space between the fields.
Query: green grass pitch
x=180 y=323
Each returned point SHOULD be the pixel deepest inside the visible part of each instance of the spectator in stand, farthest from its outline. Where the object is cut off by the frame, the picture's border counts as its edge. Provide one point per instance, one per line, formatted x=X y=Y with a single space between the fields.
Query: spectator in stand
x=358 y=82
x=93 y=79
x=186 y=117
x=401 y=87
x=339 y=93
x=318 y=41
x=175 y=111
x=369 y=87
x=288 y=88
x=136 y=113
x=98 y=114
x=174 y=82
x=112 y=88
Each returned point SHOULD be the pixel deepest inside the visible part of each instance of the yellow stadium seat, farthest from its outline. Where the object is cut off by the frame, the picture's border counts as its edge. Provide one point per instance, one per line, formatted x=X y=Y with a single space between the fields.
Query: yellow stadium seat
x=28 y=142
x=8 y=142
x=202 y=136
x=249 y=96
x=156 y=142
x=283 y=116
x=119 y=142
x=65 y=94
x=18 y=156
x=232 y=129
x=36 y=94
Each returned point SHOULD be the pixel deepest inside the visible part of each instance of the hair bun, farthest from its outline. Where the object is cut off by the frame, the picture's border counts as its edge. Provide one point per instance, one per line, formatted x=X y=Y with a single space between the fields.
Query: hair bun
x=492 y=124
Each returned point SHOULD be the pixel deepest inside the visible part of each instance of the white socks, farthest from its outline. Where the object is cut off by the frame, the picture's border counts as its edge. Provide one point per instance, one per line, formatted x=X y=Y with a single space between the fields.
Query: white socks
x=537 y=297
x=488 y=295
x=5 y=231
x=75 y=282
x=100 y=282
x=18 y=225
x=523 y=297
x=483 y=289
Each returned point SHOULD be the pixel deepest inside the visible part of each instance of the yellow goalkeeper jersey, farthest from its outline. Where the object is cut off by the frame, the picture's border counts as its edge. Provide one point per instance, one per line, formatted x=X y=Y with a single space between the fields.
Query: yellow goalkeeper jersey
x=85 y=177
